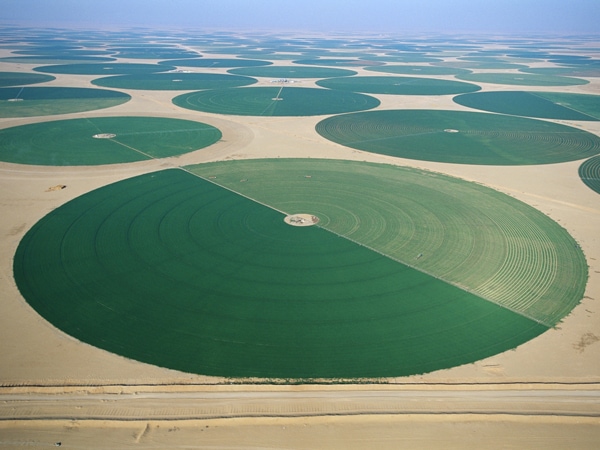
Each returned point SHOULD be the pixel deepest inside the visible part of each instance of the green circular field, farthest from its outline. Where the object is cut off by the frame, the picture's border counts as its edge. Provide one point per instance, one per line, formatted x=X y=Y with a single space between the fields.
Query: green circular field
x=460 y=137
x=417 y=70
x=522 y=79
x=103 y=140
x=104 y=69
x=406 y=58
x=545 y=105
x=293 y=72
x=197 y=271
x=152 y=52
x=275 y=101
x=56 y=59
x=216 y=62
x=21 y=78
x=578 y=71
x=589 y=172
x=43 y=101
x=398 y=85
x=343 y=62
x=485 y=65
x=174 y=81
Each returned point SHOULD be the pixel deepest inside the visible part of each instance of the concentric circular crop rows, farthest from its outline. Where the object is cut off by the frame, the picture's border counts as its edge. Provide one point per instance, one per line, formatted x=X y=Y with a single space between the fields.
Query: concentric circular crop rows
x=496 y=247
x=174 y=270
x=589 y=172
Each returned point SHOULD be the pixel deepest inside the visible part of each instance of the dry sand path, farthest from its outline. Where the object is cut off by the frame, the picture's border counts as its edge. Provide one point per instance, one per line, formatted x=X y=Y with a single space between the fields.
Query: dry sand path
x=549 y=400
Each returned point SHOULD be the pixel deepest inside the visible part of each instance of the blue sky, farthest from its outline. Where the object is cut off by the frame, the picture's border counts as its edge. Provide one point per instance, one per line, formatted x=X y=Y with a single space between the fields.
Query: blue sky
x=386 y=16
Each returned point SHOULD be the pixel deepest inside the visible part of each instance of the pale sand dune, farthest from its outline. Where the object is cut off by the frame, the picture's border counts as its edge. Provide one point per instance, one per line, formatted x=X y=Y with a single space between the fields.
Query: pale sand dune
x=34 y=353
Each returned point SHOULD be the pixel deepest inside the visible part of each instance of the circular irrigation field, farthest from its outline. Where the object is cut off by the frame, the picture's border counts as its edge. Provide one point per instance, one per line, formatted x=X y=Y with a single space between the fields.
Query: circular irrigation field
x=43 y=101
x=589 y=172
x=399 y=85
x=522 y=79
x=103 y=140
x=417 y=70
x=576 y=71
x=21 y=78
x=544 y=105
x=174 y=81
x=460 y=137
x=104 y=69
x=293 y=72
x=343 y=62
x=216 y=62
x=403 y=272
x=276 y=101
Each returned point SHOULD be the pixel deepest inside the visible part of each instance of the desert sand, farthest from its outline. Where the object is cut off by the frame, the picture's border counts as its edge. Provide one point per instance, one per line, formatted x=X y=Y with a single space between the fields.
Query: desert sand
x=55 y=389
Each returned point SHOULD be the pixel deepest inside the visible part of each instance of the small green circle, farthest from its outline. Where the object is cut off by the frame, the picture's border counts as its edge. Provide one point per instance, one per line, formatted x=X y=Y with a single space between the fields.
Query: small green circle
x=174 y=81
x=522 y=79
x=22 y=78
x=275 y=101
x=293 y=72
x=399 y=85
x=42 y=101
x=104 y=69
x=103 y=140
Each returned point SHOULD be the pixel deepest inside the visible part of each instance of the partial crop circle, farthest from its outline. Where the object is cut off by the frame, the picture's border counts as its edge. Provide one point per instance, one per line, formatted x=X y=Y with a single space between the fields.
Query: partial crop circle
x=544 y=105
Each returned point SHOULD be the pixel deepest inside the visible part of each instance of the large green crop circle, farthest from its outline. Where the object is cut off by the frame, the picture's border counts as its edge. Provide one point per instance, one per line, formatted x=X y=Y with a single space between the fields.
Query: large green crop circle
x=197 y=270
x=460 y=137
x=276 y=101
x=103 y=140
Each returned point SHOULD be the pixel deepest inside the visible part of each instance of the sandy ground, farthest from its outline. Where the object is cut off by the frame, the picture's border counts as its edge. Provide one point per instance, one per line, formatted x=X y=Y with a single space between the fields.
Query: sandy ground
x=545 y=394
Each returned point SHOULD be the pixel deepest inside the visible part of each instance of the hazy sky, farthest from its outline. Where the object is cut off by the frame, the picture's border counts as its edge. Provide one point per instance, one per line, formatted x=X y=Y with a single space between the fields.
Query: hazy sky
x=386 y=16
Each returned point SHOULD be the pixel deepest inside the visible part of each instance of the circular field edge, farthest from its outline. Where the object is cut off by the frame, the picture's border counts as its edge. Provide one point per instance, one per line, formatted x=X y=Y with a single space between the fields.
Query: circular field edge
x=589 y=173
